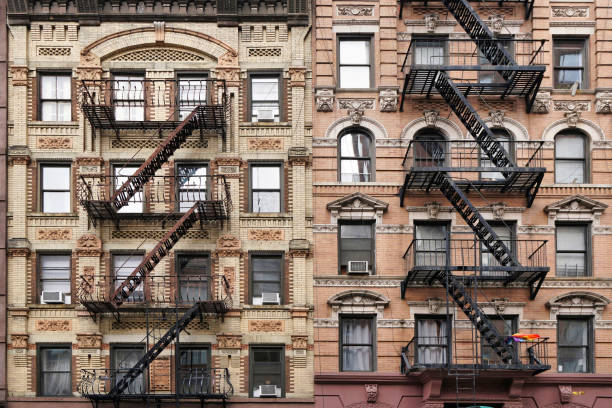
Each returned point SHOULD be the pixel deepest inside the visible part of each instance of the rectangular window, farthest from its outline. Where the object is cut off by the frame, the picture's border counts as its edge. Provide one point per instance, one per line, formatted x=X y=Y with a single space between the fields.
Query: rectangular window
x=192 y=92
x=266 y=188
x=432 y=340
x=574 y=340
x=429 y=51
x=123 y=266
x=488 y=77
x=266 y=277
x=123 y=358
x=357 y=343
x=356 y=245
x=431 y=244
x=194 y=277
x=129 y=97
x=55 y=188
x=54 y=373
x=572 y=250
x=121 y=175
x=506 y=326
x=192 y=185
x=504 y=139
x=265 y=98
x=54 y=275
x=505 y=232
x=266 y=368
x=570 y=62
x=355 y=62
x=193 y=369
x=570 y=158
x=55 y=98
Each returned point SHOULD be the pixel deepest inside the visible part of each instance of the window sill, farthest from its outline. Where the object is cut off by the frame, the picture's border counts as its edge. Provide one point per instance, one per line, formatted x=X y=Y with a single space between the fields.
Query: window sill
x=67 y=123
x=265 y=307
x=265 y=124
x=53 y=215
x=52 y=306
x=356 y=90
x=563 y=91
x=265 y=215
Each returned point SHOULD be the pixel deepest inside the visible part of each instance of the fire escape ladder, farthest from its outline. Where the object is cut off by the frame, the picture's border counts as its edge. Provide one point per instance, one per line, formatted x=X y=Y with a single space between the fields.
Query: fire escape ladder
x=154 y=351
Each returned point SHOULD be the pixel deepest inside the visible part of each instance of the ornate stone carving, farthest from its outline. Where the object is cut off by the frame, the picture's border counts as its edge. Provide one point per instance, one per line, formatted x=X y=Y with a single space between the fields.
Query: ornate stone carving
x=603 y=102
x=62 y=234
x=578 y=106
x=19 y=341
x=229 y=341
x=89 y=341
x=572 y=118
x=542 y=103
x=361 y=104
x=266 y=325
x=298 y=76
x=20 y=76
x=500 y=304
x=266 y=234
x=433 y=209
x=86 y=284
x=496 y=21
x=228 y=74
x=265 y=143
x=298 y=156
x=89 y=73
x=356 y=115
x=433 y=305
x=53 y=325
x=228 y=273
x=497 y=117
x=89 y=60
x=431 y=22
x=299 y=342
x=228 y=245
x=355 y=11
x=54 y=143
x=570 y=11
x=498 y=210
x=431 y=117
x=388 y=100
x=88 y=245
x=565 y=393
x=578 y=303
x=324 y=99
x=229 y=59
x=357 y=202
x=575 y=208
x=371 y=392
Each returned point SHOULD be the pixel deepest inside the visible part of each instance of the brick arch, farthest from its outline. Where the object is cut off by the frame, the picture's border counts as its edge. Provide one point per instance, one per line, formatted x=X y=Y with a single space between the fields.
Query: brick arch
x=591 y=129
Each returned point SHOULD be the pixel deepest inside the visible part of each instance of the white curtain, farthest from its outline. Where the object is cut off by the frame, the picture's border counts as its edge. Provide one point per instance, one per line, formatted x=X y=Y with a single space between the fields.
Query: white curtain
x=125 y=359
x=357 y=353
x=56 y=372
x=431 y=333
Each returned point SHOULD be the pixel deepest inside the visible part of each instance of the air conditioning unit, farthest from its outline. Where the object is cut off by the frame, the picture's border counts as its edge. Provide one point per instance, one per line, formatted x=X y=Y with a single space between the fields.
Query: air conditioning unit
x=265 y=115
x=358 y=267
x=264 y=391
x=53 y=297
x=270 y=299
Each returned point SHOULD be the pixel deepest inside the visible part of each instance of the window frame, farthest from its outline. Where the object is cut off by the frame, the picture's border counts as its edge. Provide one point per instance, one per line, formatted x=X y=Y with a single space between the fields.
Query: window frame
x=371 y=158
x=449 y=336
x=265 y=74
x=447 y=236
x=270 y=254
x=512 y=224
x=496 y=75
x=113 y=360
x=372 y=262
x=192 y=254
x=511 y=152
x=281 y=189
x=430 y=135
x=180 y=348
x=54 y=73
x=41 y=189
x=372 y=60
x=39 y=366
x=444 y=38
x=590 y=341
x=587 y=252
x=113 y=274
x=280 y=347
x=180 y=75
x=373 y=339
x=39 y=255
x=177 y=187
x=585 y=83
x=114 y=165
x=130 y=73
x=514 y=322
x=586 y=171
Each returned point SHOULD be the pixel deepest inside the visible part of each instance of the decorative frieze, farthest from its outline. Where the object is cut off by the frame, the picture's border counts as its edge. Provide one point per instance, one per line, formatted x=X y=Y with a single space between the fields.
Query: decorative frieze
x=299 y=342
x=229 y=341
x=542 y=103
x=356 y=103
x=324 y=99
x=88 y=245
x=266 y=234
x=54 y=143
x=228 y=245
x=578 y=106
x=355 y=11
x=19 y=76
x=19 y=341
x=89 y=341
x=265 y=143
x=298 y=76
x=62 y=234
x=53 y=325
x=603 y=102
x=570 y=11
x=361 y=282
x=266 y=325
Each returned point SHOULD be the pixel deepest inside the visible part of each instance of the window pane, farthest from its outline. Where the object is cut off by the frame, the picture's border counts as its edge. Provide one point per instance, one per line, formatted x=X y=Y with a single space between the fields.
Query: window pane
x=49 y=111
x=123 y=266
x=356 y=231
x=569 y=76
x=193 y=265
x=354 y=77
x=121 y=176
x=56 y=202
x=357 y=331
x=126 y=358
x=573 y=332
x=571 y=264
x=571 y=238
x=429 y=53
x=63 y=87
x=48 y=84
x=569 y=147
x=355 y=145
x=354 y=52
x=266 y=264
x=266 y=356
x=64 y=111
x=572 y=360
x=55 y=266
x=569 y=53
x=569 y=171
x=55 y=371
x=192 y=91
x=437 y=232
x=265 y=111
x=264 y=89
x=56 y=178
x=265 y=287
x=357 y=358
x=265 y=177
x=266 y=201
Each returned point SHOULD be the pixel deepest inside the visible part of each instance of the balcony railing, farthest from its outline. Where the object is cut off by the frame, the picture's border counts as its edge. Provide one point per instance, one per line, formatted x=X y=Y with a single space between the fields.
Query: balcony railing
x=437 y=352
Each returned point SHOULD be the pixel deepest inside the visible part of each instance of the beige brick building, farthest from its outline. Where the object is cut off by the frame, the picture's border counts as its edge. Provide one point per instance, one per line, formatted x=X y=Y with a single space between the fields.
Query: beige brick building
x=159 y=215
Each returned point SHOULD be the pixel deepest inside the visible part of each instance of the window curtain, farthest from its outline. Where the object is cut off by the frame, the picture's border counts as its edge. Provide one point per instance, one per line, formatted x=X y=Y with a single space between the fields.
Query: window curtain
x=124 y=361
x=56 y=371
x=432 y=332
x=357 y=357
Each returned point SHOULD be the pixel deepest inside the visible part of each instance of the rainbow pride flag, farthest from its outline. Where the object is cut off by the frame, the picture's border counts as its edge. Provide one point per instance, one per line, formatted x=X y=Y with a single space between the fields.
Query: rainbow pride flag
x=523 y=337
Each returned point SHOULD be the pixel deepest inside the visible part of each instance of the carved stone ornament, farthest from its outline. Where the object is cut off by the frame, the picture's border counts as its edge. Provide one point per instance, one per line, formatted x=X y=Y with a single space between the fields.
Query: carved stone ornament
x=228 y=245
x=54 y=143
x=357 y=202
x=497 y=117
x=431 y=117
x=388 y=100
x=603 y=102
x=500 y=304
x=265 y=143
x=570 y=11
x=266 y=234
x=266 y=325
x=53 y=325
x=324 y=99
x=229 y=341
x=19 y=341
x=498 y=210
x=433 y=209
x=91 y=74
x=355 y=11
x=359 y=104
x=88 y=245
x=62 y=234
x=229 y=59
x=575 y=208
x=20 y=76
x=371 y=392
x=542 y=103
x=578 y=303
x=433 y=305
x=89 y=60
x=299 y=342
x=228 y=74
x=86 y=285
x=89 y=341
x=298 y=76
x=572 y=118
x=565 y=393
x=356 y=115
x=496 y=21
x=578 y=106
x=431 y=22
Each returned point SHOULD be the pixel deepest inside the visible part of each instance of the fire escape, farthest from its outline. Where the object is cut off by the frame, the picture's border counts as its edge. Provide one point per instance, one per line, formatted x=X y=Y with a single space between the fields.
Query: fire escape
x=481 y=67
x=187 y=201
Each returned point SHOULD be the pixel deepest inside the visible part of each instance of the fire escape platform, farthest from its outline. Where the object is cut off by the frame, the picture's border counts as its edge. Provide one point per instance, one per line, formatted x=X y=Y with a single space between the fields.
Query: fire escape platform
x=103 y=210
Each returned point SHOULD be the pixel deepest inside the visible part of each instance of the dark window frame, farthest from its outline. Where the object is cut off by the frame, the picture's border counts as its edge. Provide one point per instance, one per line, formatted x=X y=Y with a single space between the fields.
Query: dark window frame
x=113 y=360
x=280 y=347
x=586 y=171
x=39 y=376
x=496 y=76
x=371 y=158
x=587 y=252
x=372 y=59
x=114 y=187
x=585 y=83
x=430 y=135
x=514 y=324
x=177 y=187
x=113 y=275
x=449 y=335
x=270 y=254
x=39 y=279
x=441 y=223
x=55 y=73
x=265 y=74
x=281 y=181
x=372 y=262
x=590 y=340
x=41 y=188
x=443 y=38
x=130 y=73
x=192 y=254
x=373 y=340
x=180 y=75
x=192 y=346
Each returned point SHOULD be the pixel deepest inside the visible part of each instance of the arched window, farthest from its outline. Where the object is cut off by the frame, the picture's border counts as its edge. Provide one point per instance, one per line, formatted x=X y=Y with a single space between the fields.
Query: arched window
x=429 y=148
x=570 y=157
x=356 y=155
x=505 y=139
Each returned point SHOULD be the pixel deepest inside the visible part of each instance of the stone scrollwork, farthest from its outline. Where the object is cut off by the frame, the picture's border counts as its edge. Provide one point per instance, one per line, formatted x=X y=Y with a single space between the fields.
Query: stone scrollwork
x=20 y=76
x=229 y=341
x=388 y=100
x=603 y=102
x=324 y=99
x=355 y=11
x=570 y=11
x=542 y=103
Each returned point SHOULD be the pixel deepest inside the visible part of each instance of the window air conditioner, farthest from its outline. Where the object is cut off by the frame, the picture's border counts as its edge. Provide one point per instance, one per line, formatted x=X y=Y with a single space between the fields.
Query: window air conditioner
x=53 y=297
x=270 y=299
x=265 y=115
x=267 y=391
x=358 y=267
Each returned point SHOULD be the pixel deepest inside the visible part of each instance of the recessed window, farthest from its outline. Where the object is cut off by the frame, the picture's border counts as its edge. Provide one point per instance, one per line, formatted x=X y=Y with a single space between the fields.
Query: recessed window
x=429 y=51
x=431 y=244
x=572 y=250
x=504 y=139
x=123 y=174
x=356 y=247
x=194 y=369
x=55 y=188
x=194 y=277
x=54 y=371
x=506 y=326
x=570 y=158
x=129 y=97
x=357 y=343
x=55 y=98
x=54 y=275
x=432 y=340
x=355 y=157
x=505 y=232
x=192 y=92
x=429 y=149
x=265 y=98
x=266 y=278
x=192 y=185
x=574 y=350
x=266 y=188
x=123 y=358
x=266 y=368
x=123 y=266
x=570 y=62
x=355 y=62
x=488 y=77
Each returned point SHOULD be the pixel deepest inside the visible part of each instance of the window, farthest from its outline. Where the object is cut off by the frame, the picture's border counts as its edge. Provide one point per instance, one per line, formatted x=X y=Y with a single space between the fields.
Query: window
x=54 y=375
x=429 y=51
x=431 y=246
x=357 y=343
x=54 y=274
x=570 y=157
x=570 y=62
x=355 y=157
x=432 y=339
x=123 y=174
x=505 y=232
x=488 y=77
x=574 y=345
x=505 y=140
x=123 y=358
x=572 y=250
x=129 y=97
x=355 y=62
x=267 y=368
x=266 y=188
x=55 y=184
x=55 y=98
x=506 y=326
x=265 y=98
x=429 y=149
x=192 y=185
x=193 y=369
x=123 y=266
x=194 y=277
x=192 y=92
x=266 y=276
x=356 y=244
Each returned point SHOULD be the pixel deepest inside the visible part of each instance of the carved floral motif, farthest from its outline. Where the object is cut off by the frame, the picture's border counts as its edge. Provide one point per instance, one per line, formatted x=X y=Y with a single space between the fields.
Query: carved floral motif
x=229 y=341
x=20 y=76
x=228 y=245
x=266 y=325
x=62 y=234
x=53 y=325
x=361 y=104
x=228 y=74
x=19 y=340
x=580 y=106
x=570 y=11
x=264 y=143
x=229 y=59
x=88 y=245
x=542 y=103
x=298 y=76
x=266 y=234
x=299 y=342
x=355 y=11
x=54 y=143
x=603 y=102
x=89 y=341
